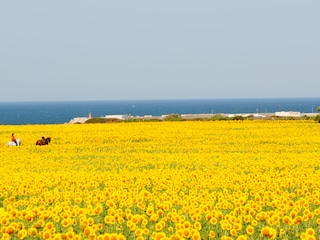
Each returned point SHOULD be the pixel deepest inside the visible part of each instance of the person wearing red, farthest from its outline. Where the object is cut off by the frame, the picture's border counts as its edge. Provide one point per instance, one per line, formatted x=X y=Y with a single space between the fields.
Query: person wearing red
x=13 y=139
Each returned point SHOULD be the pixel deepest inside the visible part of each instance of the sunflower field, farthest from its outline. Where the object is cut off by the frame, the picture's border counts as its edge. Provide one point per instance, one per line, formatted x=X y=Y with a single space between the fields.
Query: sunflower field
x=162 y=180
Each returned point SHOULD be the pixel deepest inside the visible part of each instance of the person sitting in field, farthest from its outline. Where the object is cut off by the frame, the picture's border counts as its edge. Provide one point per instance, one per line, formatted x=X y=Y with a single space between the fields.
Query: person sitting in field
x=43 y=138
x=13 y=139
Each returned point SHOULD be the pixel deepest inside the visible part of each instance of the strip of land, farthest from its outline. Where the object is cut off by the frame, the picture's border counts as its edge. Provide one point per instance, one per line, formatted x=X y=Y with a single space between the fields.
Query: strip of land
x=204 y=116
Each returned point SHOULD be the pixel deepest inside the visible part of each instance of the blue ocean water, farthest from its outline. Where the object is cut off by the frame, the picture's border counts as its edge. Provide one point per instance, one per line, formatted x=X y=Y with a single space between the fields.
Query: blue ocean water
x=17 y=113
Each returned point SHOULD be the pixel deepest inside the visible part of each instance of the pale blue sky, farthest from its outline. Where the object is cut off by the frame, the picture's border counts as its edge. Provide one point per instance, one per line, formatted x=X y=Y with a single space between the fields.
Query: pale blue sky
x=122 y=50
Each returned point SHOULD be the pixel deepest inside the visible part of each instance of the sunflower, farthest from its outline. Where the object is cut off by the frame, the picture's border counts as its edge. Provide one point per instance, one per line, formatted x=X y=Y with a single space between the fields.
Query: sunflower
x=113 y=236
x=145 y=231
x=121 y=237
x=159 y=236
x=56 y=219
x=233 y=232
x=242 y=237
x=149 y=211
x=159 y=226
x=310 y=231
x=46 y=234
x=88 y=231
x=237 y=226
x=70 y=234
x=196 y=236
x=197 y=226
x=90 y=221
x=65 y=222
x=268 y=232
x=29 y=217
x=250 y=230
x=22 y=233
x=213 y=221
x=106 y=236
x=186 y=232
x=32 y=232
x=138 y=232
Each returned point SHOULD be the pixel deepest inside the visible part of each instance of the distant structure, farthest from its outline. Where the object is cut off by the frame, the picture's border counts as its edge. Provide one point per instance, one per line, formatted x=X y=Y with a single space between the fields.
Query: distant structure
x=84 y=119
x=78 y=120
x=287 y=114
x=121 y=117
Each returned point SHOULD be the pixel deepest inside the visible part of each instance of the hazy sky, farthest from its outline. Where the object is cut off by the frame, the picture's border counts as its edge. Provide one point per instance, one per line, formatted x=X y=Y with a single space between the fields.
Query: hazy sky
x=177 y=49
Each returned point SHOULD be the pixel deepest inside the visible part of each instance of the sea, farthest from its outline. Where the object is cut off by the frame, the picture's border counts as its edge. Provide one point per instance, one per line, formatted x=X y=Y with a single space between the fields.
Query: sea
x=20 y=113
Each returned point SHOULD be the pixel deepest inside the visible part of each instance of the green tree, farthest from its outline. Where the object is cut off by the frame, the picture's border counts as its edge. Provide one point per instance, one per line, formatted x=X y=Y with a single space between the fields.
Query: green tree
x=173 y=117
x=317 y=118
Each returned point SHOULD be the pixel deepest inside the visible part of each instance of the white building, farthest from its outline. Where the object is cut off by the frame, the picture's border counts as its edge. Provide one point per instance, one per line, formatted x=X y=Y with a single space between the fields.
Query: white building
x=78 y=120
x=287 y=114
x=121 y=117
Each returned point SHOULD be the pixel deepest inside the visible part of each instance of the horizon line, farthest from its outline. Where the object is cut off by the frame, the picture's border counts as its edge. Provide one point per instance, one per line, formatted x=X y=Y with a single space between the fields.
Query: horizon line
x=163 y=99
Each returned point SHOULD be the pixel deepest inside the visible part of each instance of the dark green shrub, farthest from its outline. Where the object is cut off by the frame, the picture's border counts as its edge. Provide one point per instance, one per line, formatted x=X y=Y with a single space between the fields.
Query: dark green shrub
x=144 y=120
x=317 y=118
x=172 y=117
x=103 y=120
x=238 y=118
x=218 y=117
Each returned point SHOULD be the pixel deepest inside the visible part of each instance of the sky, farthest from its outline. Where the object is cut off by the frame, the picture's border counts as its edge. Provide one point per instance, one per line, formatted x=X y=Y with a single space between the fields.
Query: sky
x=76 y=50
